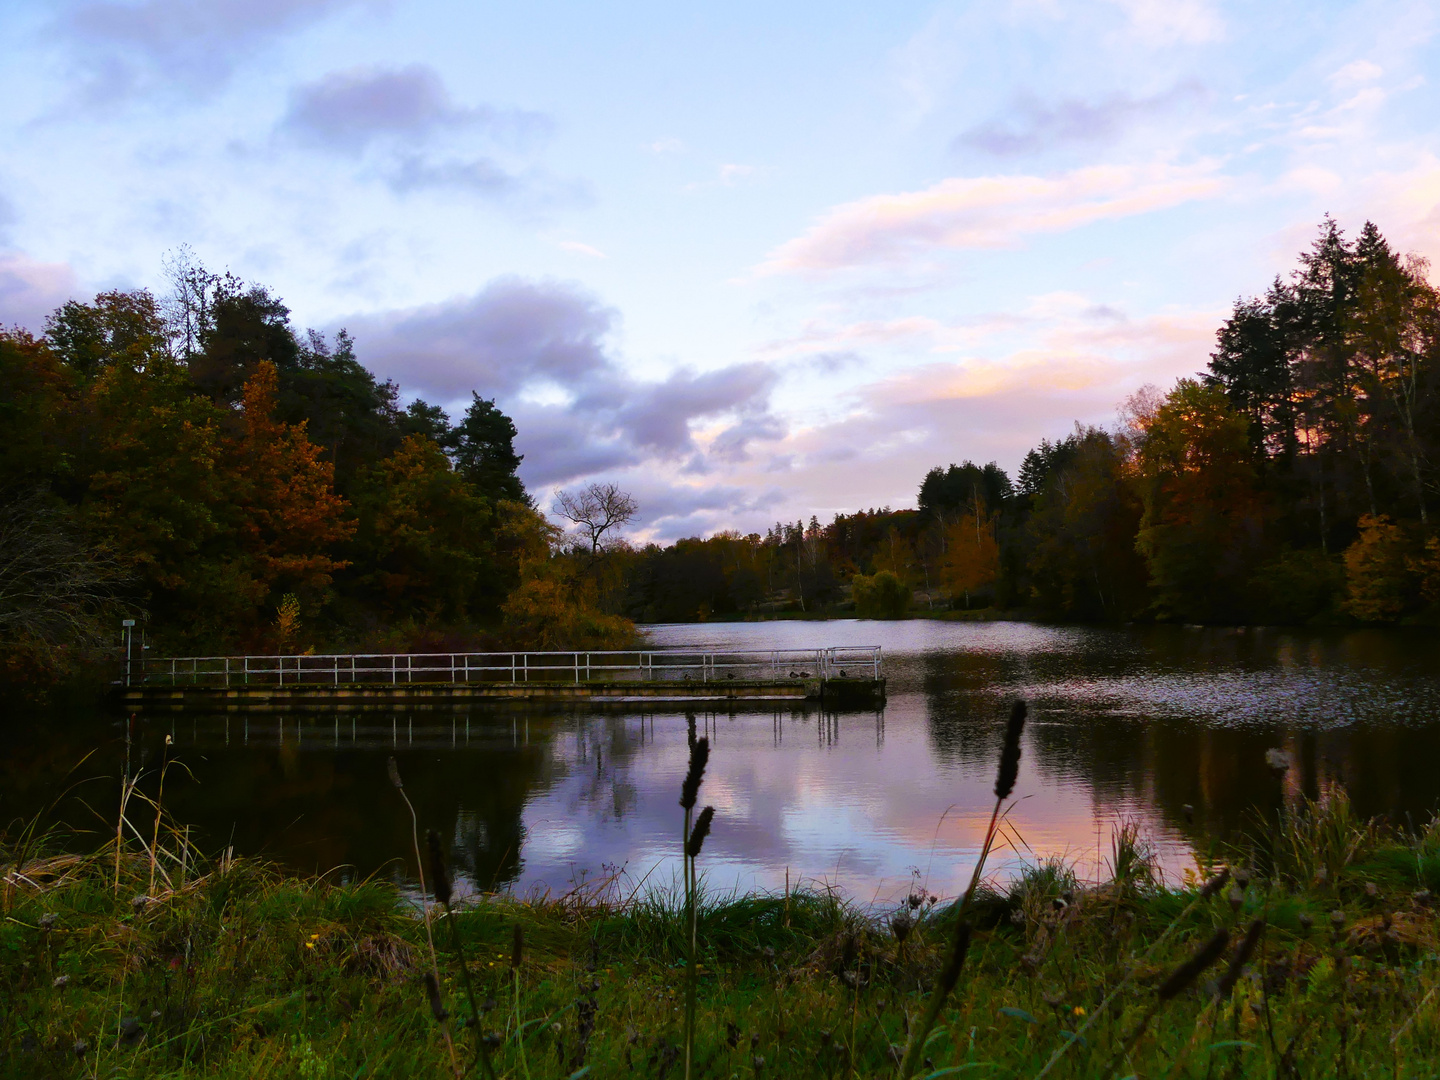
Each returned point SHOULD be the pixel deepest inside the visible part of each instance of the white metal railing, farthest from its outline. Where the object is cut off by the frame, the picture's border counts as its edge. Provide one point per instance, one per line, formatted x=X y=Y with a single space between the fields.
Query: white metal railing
x=646 y=665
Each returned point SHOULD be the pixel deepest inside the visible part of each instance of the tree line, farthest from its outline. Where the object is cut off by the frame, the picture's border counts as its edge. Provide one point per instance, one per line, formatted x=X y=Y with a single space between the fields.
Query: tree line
x=196 y=462
x=1292 y=481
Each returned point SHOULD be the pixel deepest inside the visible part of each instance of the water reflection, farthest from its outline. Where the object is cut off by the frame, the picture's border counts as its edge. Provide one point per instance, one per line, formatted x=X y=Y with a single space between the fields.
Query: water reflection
x=1165 y=726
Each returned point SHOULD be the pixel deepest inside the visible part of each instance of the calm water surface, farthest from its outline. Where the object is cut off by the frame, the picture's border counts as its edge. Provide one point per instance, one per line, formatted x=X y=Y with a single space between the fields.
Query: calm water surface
x=1128 y=724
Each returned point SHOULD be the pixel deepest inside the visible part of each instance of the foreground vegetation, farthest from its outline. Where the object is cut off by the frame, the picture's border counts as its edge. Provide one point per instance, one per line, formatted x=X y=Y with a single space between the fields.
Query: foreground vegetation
x=139 y=966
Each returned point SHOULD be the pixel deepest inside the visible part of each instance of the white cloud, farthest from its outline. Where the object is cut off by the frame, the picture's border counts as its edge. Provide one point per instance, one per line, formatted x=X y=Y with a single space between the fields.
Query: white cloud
x=986 y=212
x=582 y=249
x=1168 y=22
x=1356 y=73
x=729 y=175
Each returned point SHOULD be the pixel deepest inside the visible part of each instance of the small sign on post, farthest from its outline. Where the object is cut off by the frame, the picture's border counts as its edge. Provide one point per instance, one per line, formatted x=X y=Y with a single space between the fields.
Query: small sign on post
x=127 y=630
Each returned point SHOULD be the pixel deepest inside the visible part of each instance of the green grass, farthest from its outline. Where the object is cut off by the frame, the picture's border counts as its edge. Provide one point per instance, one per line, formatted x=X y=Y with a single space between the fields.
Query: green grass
x=239 y=970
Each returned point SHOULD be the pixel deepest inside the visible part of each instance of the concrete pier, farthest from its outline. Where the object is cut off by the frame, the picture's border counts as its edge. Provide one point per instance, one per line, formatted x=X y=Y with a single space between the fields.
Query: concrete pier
x=356 y=697
x=839 y=677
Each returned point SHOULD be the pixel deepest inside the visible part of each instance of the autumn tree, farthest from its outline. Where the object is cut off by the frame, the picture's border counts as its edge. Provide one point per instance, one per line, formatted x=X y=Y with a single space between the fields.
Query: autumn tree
x=1081 y=531
x=1202 y=523
x=423 y=548
x=290 y=519
x=971 y=562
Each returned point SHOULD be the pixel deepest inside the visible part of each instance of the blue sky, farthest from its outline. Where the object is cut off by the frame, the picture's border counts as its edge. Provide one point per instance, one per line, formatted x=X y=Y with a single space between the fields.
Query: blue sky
x=750 y=261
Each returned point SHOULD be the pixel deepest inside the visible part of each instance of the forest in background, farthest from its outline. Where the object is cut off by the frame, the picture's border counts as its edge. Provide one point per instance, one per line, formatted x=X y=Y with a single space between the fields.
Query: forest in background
x=1292 y=482
x=195 y=462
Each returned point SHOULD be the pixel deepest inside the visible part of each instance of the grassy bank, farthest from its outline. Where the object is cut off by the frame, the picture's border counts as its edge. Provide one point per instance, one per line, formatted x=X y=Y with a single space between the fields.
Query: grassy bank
x=132 y=968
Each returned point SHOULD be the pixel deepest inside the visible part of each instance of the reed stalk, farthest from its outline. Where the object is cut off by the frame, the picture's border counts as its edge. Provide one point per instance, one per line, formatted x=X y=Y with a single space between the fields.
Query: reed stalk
x=159 y=801
x=1005 y=777
x=444 y=892
x=437 y=1005
x=517 y=949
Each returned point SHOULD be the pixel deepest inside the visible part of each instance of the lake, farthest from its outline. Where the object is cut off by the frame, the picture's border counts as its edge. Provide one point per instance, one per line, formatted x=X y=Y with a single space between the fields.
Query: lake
x=1166 y=727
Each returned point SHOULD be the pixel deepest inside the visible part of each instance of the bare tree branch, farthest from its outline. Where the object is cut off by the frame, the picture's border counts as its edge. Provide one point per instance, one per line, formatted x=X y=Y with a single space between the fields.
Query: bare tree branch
x=596 y=510
x=56 y=593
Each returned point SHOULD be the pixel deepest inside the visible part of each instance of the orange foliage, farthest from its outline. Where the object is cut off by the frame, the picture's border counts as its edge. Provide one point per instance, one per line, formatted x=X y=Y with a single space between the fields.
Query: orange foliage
x=285 y=490
x=972 y=554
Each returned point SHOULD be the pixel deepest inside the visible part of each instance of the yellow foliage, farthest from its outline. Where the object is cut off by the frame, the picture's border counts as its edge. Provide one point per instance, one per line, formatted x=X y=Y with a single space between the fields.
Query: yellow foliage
x=1380 y=570
x=550 y=613
x=972 y=554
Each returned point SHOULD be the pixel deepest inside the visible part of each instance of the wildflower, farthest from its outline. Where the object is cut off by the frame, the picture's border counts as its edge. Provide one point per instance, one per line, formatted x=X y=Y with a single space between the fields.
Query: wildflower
x=901 y=925
x=1079 y=1010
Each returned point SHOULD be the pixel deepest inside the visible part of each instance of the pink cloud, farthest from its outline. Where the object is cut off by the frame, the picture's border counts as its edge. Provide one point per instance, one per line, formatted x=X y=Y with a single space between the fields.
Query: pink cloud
x=31 y=290
x=985 y=212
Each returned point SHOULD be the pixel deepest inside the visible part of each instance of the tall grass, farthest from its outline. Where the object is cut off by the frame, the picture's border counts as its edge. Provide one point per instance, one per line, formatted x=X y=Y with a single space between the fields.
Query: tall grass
x=241 y=971
x=1005 y=777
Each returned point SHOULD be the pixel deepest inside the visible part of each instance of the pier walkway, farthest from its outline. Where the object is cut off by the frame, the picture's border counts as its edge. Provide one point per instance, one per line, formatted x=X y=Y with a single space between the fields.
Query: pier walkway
x=841 y=675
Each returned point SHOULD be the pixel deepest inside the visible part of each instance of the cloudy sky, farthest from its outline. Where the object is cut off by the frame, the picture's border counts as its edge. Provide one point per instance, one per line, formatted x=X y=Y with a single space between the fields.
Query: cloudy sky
x=752 y=261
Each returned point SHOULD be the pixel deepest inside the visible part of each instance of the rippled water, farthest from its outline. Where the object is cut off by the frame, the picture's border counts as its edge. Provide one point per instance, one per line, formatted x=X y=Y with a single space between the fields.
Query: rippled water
x=1164 y=726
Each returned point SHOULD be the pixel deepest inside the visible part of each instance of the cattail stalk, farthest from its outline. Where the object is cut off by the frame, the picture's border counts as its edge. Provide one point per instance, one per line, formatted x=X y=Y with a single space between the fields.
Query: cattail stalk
x=1005 y=777
x=445 y=892
x=1243 y=951
x=394 y=772
x=1179 y=979
x=1209 y=889
x=689 y=792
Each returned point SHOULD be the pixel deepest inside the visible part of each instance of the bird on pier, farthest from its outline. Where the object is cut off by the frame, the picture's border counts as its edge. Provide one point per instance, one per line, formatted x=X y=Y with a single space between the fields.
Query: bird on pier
x=729 y=674
x=794 y=674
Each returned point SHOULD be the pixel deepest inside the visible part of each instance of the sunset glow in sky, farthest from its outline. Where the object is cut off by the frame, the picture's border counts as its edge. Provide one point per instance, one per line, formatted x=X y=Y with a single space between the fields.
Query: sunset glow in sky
x=752 y=261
